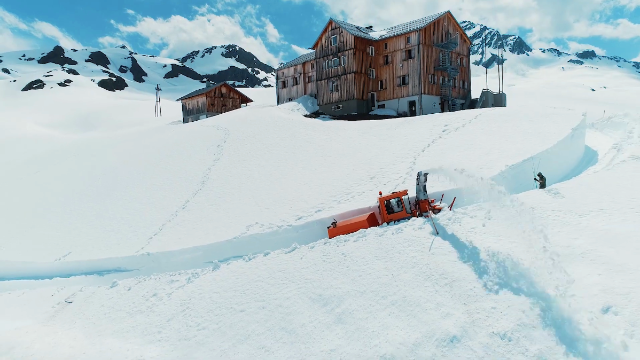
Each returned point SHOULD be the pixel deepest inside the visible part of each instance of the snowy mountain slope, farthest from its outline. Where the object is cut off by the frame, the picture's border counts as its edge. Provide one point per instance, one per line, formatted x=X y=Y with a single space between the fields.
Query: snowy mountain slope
x=119 y=69
x=517 y=50
x=516 y=274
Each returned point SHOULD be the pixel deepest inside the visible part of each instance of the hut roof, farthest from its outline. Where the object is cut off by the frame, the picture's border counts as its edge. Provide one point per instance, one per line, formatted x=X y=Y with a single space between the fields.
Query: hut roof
x=209 y=88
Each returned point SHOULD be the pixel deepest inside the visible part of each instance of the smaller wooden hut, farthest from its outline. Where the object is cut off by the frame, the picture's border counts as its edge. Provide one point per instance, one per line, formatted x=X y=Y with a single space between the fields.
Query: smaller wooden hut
x=211 y=101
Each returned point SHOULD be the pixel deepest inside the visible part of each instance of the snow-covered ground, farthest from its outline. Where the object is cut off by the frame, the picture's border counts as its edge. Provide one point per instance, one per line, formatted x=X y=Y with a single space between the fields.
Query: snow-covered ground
x=128 y=236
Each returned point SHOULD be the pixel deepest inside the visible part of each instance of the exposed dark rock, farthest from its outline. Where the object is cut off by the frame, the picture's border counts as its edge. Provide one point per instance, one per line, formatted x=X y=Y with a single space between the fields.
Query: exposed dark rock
x=56 y=56
x=177 y=70
x=29 y=59
x=245 y=58
x=74 y=50
x=99 y=58
x=481 y=35
x=113 y=84
x=636 y=65
x=72 y=72
x=123 y=46
x=6 y=71
x=231 y=52
x=65 y=83
x=34 y=85
x=554 y=51
x=577 y=62
x=137 y=71
x=238 y=75
x=586 y=55
x=123 y=69
x=47 y=75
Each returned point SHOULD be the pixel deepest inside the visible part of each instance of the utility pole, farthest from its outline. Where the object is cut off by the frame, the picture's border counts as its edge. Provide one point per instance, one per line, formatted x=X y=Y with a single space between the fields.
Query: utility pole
x=158 y=106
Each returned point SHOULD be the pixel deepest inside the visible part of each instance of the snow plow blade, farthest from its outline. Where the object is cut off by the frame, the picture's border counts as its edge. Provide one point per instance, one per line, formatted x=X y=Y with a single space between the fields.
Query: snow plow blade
x=354 y=224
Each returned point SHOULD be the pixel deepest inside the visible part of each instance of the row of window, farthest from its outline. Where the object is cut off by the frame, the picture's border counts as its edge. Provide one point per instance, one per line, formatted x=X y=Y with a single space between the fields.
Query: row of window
x=402 y=81
x=334 y=42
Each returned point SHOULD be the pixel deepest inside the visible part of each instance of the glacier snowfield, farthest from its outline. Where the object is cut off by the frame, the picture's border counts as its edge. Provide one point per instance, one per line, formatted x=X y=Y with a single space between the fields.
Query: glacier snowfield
x=123 y=235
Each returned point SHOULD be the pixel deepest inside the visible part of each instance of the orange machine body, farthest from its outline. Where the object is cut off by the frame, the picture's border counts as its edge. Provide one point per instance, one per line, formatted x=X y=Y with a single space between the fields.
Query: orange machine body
x=354 y=224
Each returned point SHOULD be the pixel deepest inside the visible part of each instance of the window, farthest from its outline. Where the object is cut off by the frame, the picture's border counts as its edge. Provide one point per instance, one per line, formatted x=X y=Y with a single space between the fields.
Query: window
x=432 y=79
x=394 y=206
x=381 y=85
x=387 y=59
x=464 y=62
x=409 y=54
x=335 y=62
x=343 y=60
x=372 y=73
x=386 y=46
x=408 y=39
x=333 y=86
x=459 y=62
x=455 y=83
x=334 y=40
x=336 y=107
x=283 y=84
x=381 y=106
x=313 y=66
x=372 y=50
x=403 y=80
x=310 y=79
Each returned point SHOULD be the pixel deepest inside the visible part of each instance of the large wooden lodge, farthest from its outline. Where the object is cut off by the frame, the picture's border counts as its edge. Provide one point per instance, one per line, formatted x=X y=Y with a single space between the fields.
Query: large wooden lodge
x=419 y=67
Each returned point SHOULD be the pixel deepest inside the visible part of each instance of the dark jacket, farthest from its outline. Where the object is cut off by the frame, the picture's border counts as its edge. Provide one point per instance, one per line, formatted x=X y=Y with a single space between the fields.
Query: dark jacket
x=542 y=181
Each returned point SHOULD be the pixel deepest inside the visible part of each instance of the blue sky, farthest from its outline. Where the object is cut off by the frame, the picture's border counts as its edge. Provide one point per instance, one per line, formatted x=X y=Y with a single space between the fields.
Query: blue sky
x=278 y=30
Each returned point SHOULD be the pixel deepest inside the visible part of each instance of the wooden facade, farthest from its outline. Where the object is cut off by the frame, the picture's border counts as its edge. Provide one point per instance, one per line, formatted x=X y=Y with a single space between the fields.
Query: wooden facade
x=375 y=70
x=211 y=101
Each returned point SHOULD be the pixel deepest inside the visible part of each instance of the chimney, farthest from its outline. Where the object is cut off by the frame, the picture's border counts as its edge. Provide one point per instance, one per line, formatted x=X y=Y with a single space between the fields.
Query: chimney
x=209 y=84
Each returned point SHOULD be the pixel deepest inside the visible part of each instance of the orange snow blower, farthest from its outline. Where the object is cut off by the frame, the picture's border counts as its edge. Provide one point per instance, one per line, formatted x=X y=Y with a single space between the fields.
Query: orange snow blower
x=394 y=207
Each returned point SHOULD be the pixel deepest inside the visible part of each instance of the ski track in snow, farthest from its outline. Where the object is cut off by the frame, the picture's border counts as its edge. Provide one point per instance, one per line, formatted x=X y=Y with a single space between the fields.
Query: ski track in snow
x=205 y=180
x=498 y=273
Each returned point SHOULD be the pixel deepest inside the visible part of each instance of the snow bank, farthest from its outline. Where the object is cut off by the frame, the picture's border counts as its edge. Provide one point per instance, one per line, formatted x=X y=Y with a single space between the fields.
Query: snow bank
x=303 y=106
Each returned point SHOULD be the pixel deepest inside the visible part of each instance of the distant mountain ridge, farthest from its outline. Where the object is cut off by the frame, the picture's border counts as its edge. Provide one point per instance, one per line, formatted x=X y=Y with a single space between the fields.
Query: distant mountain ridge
x=514 y=45
x=119 y=68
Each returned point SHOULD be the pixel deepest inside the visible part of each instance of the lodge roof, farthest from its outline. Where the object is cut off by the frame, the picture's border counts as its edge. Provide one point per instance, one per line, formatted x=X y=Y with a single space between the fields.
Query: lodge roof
x=299 y=60
x=209 y=88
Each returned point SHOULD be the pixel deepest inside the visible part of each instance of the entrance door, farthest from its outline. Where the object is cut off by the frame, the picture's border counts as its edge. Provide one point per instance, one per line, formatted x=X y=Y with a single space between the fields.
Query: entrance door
x=412 y=108
x=372 y=98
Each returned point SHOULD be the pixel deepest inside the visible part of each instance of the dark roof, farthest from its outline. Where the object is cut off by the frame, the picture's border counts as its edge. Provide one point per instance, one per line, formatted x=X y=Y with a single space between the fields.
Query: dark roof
x=207 y=89
x=299 y=60
x=355 y=30
x=410 y=26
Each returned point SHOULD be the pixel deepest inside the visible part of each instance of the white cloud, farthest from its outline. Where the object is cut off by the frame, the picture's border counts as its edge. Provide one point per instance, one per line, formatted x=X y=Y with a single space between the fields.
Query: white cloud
x=17 y=34
x=41 y=28
x=11 y=20
x=637 y=58
x=178 y=35
x=13 y=42
x=575 y=47
x=110 y=41
x=273 y=35
x=300 y=50
x=547 y=19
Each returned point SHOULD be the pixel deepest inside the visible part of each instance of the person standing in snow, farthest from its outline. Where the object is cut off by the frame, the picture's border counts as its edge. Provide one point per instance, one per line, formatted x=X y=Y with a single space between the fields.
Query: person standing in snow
x=541 y=180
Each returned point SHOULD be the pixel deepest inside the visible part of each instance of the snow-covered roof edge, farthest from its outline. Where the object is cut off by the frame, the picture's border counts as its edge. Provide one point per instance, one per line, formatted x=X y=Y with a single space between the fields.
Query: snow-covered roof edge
x=209 y=88
x=299 y=60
